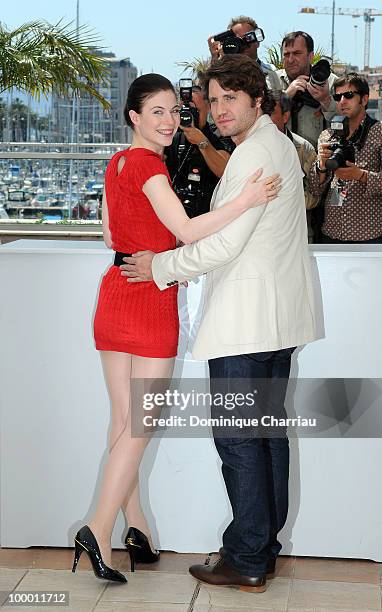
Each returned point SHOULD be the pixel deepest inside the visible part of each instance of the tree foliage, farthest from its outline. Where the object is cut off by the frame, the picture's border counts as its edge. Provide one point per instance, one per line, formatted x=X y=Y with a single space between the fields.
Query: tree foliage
x=40 y=58
x=197 y=66
x=274 y=55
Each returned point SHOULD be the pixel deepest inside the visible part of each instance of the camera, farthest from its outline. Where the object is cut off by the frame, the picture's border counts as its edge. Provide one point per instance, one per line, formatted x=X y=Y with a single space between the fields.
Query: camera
x=343 y=149
x=190 y=191
x=319 y=74
x=187 y=178
x=236 y=44
x=189 y=116
x=320 y=71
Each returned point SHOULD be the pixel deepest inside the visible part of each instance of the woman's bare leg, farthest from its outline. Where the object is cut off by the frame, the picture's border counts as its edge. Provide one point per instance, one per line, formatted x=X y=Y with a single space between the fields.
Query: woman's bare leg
x=133 y=510
x=148 y=369
x=125 y=452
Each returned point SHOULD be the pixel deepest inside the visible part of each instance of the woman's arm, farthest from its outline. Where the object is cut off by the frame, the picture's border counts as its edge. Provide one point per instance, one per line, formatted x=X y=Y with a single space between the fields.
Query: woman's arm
x=105 y=222
x=172 y=214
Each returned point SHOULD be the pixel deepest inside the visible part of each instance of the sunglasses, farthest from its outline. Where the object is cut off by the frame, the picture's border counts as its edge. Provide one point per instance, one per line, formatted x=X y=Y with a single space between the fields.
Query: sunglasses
x=348 y=95
x=196 y=88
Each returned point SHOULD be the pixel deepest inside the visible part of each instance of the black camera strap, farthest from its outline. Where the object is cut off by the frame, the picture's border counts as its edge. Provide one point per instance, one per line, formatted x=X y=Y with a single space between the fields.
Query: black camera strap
x=182 y=141
x=304 y=99
x=358 y=139
x=294 y=117
x=359 y=136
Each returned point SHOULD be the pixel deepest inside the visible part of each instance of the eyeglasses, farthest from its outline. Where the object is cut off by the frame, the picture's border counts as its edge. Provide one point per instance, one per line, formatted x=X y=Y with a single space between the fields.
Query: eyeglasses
x=348 y=95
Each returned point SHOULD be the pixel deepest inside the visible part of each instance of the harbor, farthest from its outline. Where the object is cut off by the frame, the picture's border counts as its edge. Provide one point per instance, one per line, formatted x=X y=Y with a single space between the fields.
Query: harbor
x=53 y=181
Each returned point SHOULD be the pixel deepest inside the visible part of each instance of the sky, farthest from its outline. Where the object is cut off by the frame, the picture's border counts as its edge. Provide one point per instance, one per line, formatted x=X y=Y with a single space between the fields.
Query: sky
x=157 y=34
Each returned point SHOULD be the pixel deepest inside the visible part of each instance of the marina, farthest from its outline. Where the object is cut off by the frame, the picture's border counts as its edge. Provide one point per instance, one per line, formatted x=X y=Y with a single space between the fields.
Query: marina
x=53 y=182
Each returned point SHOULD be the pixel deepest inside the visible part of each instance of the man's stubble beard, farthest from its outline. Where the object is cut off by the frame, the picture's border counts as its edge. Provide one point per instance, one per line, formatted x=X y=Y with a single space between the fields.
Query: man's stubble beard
x=244 y=125
x=303 y=72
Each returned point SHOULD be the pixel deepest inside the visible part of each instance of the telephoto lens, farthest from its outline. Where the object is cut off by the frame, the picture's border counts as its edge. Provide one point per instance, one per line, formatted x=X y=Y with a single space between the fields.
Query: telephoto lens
x=320 y=72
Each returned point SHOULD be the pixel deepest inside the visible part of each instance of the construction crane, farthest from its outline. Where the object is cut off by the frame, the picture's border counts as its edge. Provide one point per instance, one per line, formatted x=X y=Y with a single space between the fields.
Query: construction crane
x=368 y=15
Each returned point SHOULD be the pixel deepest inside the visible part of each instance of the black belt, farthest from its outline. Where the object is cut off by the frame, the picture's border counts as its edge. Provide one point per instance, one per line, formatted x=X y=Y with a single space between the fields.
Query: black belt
x=118 y=258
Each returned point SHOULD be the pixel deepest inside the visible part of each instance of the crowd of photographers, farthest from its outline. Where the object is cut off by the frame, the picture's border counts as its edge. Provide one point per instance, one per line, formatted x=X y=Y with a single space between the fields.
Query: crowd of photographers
x=339 y=145
x=198 y=155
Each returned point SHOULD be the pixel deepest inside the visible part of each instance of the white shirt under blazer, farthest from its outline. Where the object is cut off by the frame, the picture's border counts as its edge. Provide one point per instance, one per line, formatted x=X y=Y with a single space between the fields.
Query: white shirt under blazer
x=258 y=293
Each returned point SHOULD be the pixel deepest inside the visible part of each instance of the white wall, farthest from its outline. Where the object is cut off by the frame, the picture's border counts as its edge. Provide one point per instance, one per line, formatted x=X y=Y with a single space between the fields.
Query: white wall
x=55 y=413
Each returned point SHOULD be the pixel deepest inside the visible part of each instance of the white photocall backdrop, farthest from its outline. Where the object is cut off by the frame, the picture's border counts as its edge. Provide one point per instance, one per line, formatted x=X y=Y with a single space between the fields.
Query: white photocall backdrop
x=55 y=412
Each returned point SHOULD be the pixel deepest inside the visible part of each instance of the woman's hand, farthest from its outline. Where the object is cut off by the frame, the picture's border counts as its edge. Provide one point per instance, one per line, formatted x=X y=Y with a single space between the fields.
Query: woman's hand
x=256 y=192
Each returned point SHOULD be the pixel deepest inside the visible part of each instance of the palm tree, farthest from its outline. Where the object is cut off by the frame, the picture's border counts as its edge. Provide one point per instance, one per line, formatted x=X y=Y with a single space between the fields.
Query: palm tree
x=40 y=58
x=274 y=55
x=197 y=66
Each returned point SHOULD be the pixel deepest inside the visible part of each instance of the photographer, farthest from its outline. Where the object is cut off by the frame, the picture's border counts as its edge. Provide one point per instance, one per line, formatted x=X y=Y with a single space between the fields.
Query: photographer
x=309 y=87
x=305 y=150
x=250 y=35
x=348 y=171
x=198 y=155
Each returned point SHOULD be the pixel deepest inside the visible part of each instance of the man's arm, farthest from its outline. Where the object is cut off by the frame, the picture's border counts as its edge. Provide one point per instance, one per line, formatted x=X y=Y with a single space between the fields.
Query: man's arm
x=317 y=181
x=373 y=179
x=329 y=106
x=171 y=213
x=216 y=159
x=272 y=79
x=323 y=94
x=218 y=249
x=215 y=48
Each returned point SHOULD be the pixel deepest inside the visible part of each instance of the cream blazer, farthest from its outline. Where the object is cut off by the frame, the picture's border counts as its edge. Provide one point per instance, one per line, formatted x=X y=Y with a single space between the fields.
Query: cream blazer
x=258 y=293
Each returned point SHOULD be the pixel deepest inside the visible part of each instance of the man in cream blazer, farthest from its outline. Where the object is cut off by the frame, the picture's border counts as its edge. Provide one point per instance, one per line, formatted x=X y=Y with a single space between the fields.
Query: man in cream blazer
x=258 y=306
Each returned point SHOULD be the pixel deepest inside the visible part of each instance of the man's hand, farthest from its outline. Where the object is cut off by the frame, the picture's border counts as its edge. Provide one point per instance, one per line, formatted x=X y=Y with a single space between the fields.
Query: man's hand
x=193 y=135
x=324 y=152
x=320 y=93
x=138 y=267
x=299 y=84
x=351 y=173
x=215 y=48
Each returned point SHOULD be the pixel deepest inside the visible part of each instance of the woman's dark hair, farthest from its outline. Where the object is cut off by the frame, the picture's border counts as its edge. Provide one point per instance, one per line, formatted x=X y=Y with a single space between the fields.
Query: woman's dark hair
x=241 y=73
x=143 y=88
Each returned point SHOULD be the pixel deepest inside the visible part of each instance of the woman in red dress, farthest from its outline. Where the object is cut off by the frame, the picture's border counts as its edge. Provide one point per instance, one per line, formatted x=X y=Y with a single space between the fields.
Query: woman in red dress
x=136 y=325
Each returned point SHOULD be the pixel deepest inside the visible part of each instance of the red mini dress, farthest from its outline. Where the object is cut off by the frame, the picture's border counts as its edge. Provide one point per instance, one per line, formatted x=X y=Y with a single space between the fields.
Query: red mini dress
x=135 y=318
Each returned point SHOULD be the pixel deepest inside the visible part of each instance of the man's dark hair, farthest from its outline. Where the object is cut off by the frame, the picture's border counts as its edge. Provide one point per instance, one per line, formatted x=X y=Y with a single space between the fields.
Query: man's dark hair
x=291 y=37
x=280 y=97
x=141 y=89
x=242 y=19
x=355 y=79
x=241 y=73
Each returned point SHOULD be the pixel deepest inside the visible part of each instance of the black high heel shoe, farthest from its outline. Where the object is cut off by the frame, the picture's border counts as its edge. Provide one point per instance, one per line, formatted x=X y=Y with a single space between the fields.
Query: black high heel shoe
x=85 y=540
x=139 y=548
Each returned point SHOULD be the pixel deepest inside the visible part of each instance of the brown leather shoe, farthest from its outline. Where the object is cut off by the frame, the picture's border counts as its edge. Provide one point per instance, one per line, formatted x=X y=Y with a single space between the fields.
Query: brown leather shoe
x=271 y=567
x=220 y=574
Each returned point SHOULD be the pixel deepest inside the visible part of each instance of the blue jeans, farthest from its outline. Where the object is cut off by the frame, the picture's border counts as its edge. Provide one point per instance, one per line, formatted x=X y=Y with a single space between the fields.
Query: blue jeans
x=255 y=469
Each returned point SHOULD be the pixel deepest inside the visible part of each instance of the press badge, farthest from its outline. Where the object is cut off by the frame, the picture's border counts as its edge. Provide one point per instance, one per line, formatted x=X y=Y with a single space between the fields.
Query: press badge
x=339 y=196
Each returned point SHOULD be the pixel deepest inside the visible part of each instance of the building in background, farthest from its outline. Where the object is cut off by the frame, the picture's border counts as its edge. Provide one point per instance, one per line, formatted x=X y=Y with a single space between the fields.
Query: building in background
x=84 y=119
